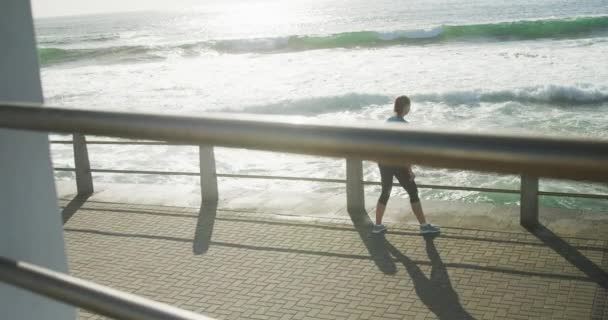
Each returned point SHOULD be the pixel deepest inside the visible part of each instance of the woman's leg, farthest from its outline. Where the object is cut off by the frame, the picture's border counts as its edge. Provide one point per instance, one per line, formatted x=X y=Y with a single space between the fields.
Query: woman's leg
x=408 y=183
x=386 y=177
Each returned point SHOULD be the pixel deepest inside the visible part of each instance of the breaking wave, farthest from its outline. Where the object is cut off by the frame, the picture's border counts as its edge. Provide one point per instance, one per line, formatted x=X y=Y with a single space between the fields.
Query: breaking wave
x=583 y=94
x=50 y=56
x=549 y=94
x=501 y=31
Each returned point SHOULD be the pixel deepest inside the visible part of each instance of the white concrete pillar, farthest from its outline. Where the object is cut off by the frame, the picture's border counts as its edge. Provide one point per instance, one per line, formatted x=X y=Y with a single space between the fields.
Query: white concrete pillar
x=30 y=223
x=528 y=215
x=209 y=193
x=355 y=193
x=84 y=179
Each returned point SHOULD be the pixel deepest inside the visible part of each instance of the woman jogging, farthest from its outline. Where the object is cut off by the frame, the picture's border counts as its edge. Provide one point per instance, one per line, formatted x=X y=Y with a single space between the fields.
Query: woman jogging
x=404 y=175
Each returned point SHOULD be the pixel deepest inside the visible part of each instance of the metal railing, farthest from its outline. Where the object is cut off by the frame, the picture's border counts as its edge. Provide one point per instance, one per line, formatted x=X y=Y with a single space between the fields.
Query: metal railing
x=530 y=157
x=88 y=295
x=292 y=178
x=355 y=183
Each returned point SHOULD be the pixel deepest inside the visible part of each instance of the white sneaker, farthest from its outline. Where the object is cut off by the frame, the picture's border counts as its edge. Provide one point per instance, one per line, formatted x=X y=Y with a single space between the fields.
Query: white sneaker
x=429 y=228
x=378 y=228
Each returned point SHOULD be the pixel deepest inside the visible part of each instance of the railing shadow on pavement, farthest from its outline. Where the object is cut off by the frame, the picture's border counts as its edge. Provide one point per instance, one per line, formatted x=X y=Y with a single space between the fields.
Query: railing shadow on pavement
x=374 y=245
x=385 y=256
x=571 y=254
x=436 y=291
x=301 y=225
x=204 y=227
x=73 y=206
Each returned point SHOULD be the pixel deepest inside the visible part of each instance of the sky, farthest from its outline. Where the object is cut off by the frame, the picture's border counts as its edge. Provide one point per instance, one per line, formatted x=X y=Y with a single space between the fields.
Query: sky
x=50 y=8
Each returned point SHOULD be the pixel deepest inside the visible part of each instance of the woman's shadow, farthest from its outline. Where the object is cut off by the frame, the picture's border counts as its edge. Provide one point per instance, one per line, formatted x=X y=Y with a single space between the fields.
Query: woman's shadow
x=436 y=291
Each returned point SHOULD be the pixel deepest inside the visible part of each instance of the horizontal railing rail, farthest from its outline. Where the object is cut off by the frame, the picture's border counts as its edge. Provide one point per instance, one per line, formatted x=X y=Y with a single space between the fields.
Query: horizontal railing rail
x=88 y=295
x=342 y=181
x=170 y=173
x=539 y=156
x=135 y=143
x=573 y=195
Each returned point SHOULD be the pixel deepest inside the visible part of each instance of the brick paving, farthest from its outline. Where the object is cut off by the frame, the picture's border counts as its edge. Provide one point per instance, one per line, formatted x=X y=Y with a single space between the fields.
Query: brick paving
x=231 y=264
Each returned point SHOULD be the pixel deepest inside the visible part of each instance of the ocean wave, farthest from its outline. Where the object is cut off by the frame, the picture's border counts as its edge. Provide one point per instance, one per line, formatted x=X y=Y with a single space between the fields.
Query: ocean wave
x=502 y=31
x=54 y=40
x=574 y=95
x=50 y=56
x=583 y=94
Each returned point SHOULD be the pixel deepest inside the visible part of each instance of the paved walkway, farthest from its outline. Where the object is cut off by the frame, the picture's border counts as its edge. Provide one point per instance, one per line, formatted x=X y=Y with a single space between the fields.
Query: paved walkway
x=230 y=263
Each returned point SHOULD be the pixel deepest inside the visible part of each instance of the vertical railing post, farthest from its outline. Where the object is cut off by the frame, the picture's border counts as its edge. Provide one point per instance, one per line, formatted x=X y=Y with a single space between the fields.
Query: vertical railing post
x=209 y=193
x=355 y=196
x=529 y=201
x=84 y=180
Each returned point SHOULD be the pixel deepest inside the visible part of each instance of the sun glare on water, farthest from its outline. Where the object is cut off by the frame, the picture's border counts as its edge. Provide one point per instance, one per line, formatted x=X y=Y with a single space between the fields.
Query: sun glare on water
x=261 y=18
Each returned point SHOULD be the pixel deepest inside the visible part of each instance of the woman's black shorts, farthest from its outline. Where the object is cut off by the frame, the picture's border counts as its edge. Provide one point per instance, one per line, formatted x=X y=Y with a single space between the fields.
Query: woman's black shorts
x=405 y=179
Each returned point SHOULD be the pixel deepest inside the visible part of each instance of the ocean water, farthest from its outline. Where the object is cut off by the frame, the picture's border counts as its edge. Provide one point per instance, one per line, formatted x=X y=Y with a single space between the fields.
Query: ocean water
x=485 y=66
